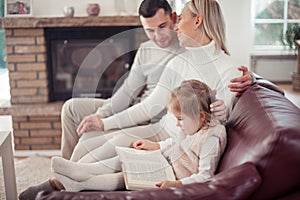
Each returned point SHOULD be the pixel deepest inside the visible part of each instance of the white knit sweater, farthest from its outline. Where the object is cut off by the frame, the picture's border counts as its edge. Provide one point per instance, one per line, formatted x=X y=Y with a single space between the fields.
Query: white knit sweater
x=200 y=63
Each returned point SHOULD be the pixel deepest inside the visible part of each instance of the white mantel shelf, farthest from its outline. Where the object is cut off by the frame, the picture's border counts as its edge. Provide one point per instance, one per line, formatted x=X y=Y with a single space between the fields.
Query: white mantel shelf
x=33 y=22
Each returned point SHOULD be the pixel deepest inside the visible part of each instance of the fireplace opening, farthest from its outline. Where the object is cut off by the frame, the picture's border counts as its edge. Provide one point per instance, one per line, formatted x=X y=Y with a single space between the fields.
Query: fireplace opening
x=88 y=61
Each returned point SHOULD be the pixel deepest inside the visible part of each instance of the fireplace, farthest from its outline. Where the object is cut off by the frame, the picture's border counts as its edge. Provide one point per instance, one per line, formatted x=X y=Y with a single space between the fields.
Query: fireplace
x=36 y=121
x=88 y=61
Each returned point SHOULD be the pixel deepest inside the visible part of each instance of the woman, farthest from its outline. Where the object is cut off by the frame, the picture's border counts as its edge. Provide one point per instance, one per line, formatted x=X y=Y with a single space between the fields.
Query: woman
x=201 y=30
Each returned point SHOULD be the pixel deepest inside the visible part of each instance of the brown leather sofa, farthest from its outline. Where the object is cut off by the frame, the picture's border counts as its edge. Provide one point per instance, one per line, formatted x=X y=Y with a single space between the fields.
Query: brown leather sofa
x=261 y=161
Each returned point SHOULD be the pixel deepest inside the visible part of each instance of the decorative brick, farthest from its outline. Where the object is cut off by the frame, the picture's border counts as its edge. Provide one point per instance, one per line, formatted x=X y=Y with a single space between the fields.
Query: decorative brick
x=50 y=133
x=12 y=83
x=16 y=125
x=21 y=58
x=43 y=91
x=41 y=58
x=30 y=49
x=42 y=75
x=23 y=75
x=19 y=133
x=22 y=147
x=47 y=118
x=57 y=125
x=20 y=92
x=57 y=140
x=8 y=32
x=19 y=40
x=17 y=140
x=11 y=67
x=32 y=84
x=40 y=40
x=28 y=32
x=30 y=99
x=36 y=140
x=35 y=125
x=31 y=67
x=14 y=101
x=45 y=147
x=9 y=50
x=19 y=118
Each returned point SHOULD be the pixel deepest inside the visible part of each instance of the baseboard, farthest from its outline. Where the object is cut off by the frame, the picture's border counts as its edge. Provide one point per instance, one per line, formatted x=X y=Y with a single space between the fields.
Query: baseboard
x=26 y=153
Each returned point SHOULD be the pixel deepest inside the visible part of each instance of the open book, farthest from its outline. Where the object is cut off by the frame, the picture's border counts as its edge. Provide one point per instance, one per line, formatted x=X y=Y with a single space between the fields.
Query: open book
x=143 y=169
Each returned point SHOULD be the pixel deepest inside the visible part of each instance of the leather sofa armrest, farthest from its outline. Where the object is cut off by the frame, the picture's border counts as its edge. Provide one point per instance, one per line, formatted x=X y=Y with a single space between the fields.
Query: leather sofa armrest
x=266 y=83
x=235 y=183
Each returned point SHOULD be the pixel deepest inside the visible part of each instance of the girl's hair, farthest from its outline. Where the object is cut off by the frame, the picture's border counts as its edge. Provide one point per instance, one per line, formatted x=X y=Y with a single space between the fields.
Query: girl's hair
x=213 y=21
x=191 y=98
x=148 y=8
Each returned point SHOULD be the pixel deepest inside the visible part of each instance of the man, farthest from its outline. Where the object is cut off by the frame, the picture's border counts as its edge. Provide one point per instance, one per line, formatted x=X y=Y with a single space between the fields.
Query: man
x=80 y=117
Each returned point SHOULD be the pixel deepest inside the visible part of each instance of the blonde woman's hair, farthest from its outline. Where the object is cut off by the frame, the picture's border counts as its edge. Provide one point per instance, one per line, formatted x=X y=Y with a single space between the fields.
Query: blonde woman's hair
x=213 y=21
x=191 y=98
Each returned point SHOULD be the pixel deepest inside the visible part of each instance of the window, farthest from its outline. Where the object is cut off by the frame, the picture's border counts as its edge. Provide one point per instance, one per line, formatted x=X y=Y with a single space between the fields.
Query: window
x=271 y=19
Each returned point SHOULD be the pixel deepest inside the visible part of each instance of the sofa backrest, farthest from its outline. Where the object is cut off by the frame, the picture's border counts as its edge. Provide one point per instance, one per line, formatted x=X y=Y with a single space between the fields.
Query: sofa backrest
x=264 y=128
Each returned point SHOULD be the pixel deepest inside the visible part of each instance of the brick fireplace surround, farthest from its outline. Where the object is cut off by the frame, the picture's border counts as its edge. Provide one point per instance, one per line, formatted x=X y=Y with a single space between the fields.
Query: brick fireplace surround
x=36 y=121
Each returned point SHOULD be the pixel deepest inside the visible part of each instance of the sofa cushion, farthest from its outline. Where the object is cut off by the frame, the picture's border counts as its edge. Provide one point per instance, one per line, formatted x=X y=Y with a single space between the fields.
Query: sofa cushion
x=264 y=128
x=236 y=183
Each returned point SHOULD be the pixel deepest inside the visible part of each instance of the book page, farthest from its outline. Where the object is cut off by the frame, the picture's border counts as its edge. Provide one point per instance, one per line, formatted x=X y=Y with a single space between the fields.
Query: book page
x=128 y=154
x=143 y=169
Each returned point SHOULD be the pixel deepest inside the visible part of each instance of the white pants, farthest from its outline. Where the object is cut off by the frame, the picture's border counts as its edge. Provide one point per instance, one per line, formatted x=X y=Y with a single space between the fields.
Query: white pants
x=96 y=146
x=73 y=112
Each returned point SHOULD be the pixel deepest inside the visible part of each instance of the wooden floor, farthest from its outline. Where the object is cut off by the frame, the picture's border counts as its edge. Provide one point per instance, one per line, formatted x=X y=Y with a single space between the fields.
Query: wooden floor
x=290 y=93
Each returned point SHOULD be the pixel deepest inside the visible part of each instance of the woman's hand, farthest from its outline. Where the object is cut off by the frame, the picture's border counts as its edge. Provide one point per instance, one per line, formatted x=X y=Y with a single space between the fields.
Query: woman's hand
x=90 y=123
x=166 y=184
x=145 y=145
x=219 y=110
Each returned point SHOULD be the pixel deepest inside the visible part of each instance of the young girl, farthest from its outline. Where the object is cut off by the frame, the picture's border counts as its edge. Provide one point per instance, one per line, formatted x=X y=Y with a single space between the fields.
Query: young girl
x=194 y=154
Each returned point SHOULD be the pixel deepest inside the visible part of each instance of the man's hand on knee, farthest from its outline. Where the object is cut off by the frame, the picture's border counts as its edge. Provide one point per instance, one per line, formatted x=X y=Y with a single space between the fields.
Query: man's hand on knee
x=90 y=123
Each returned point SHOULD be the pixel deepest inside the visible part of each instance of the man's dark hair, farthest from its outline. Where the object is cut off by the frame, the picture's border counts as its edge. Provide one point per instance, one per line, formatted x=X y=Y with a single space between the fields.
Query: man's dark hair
x=148 y=8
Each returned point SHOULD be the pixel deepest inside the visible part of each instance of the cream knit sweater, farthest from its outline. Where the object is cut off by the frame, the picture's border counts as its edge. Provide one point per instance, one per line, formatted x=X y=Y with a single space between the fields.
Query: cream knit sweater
x=194 y=158
x=200 y=63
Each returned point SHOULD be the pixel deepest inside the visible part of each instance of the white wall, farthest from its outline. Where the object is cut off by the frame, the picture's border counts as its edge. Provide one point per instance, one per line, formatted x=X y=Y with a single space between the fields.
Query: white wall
x=237 y=14
x=54 y=8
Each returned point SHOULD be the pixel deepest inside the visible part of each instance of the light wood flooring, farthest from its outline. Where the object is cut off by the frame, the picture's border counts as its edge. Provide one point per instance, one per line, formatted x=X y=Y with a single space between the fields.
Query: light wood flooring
x=290 y=93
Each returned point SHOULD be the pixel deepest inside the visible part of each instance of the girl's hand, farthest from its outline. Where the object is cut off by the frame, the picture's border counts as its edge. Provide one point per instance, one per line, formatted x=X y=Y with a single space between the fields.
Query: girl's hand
x=145 y=145
x=166 y=184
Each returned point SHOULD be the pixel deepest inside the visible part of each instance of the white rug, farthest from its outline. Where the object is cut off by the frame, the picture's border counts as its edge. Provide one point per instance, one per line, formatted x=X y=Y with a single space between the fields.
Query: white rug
x=29 y=171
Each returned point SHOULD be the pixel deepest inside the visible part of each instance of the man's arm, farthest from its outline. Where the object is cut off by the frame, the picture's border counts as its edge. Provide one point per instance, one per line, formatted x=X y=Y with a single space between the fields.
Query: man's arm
x=128 y=92
x=120 y=100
